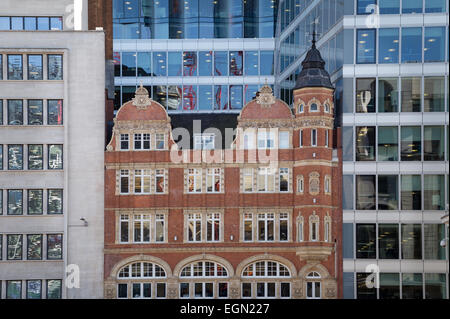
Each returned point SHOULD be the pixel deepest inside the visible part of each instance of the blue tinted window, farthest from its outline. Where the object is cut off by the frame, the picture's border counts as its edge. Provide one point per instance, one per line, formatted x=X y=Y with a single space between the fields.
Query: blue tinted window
x=144 y=64
x=56 y=23
x=412 y=6
x=236 y=97
x=236 y=62
x=389 y=6
x=16 y=23
x=411 y=45
x=435 y=6
x=434 y=44
x=365 y=46
x=220 y=63
x=388 y=46
x=15 y=68
x=189 y=97
x=43 y=23
x=4 y=23
x=266 y=63
x=366 y=6
x=250 y=92
x=206 y=20
x=205 y=97
x=159 y=64
x=30 y=23
x=347 y=243
x=128 y=63
x=191 y=19
x=251 y=63
x=205 y=63
x=221 y=97
x=174 y=64
x=237 y=18
x=160 y=18
x=174 y=94
x=190 y=63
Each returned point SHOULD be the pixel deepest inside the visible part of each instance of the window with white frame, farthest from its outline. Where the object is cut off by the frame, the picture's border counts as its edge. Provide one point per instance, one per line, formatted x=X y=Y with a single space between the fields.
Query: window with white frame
x=283 y=227
x=142 y=181
x=313 y=107
x=194 y=225
x=300 y=184
x=204 y=141
x=314 y=137
x=124 y=231
x=266 y=179
x=266 y=139
x=213 y=180
x=194 y=180
x=131 y=276
x=283 y=139
x=160 y=222
x=266 y=226
x=313 y=290
x=213 y=225
x=300 y=232
x=124 y=181
x=141 y=228
x=248 y=180
x=327 y=185
x=301 y=138
x=266 y=268
x=142 y=141
x=160 y=141
x=284 y=180
x=314 y=228
x=327 y=229
x=301 y=108
x=327 y=107
x=160 y=180
x=248 y=227
x=249 y=140
x=124 y=142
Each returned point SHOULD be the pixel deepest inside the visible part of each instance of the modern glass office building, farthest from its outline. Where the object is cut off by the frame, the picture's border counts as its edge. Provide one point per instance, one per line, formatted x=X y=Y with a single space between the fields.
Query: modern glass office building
x=388 y=60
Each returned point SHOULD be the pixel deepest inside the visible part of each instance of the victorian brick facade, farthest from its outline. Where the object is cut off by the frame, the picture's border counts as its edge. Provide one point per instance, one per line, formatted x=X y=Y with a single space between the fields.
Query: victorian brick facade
x=262 y=218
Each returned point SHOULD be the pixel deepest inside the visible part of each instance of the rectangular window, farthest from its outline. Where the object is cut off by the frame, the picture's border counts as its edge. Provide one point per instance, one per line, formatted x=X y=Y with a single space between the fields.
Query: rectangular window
x=388 y=95
x=174 y=64
x=266 y=224
x=434 y=43
x=411 y=148
x=43 y=23
x=251 y=63
x=142 y=181
x=15 y=67
x=205 y=63
x=365 y=95
x=159 y=64
x=248 y=180
x=434 y=192
x=35 y=156
x=412 y=285
x=54 y=246
x=435 y=6
x=55 y=201
x=387 y=192
x=35 y=112
x=389 y=286
x=15 y=202
x=124 y=181
x=124 y=141
x=365 y=52
x=236 y=96
x=220 y=63
x=141 y=228
x=14 y=289
x=301 y=138
x=1 y=101
x=142 y=141
x=236 y=63
x=34 y=289
x=434 y=143
x=54 y=289
x=56 y=23
x=205 y=97
x=411 y=192
x=411 y=241
x=266 y=62
x=265 y=139
x=15 y=112
x=15 y=246
x=314 y=137
x=213 y=180
x=284 y=229
x=388 y=45
x=327 y=138
x=35 y=201
x=434 y=94
x=365 y=143
x=389 y=6
x=159 y=180
x=194 y=180
x=411 y=94
x=412 y=6
x=55 y=156
x=435 y=286
x=160 y=141
x=124 y=228
x=388 y=143
x=411 y=43
x=388 y=241
x=144 y=64
x=365 y=192
x=194 y=227
x=266 y=179
x=184 y=290
x=34 y=247
x=365 y=241
x=365 y=6
x=190 y=63
x=433 y=235
x=248 y=227
x=204 y=141
x=55 y=66
x=35 y=70
x=284 y=179
x=213 y=227
x=15 y=157
x=55 y=112
x=221 y=97
x=246 y=290
x=159 y=227
x=160 y=290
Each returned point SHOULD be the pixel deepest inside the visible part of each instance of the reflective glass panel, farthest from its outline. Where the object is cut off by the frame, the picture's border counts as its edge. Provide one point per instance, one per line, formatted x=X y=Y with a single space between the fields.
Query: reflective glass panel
x=365 y=52
x=388 y=143
x=434 y=94
x=388 y=95
x=15 y=112
x=159 y=63
x=35 y=112
x=174 y=64
x=388 y=241
x=35 y=201
x=411 y=94
x=144 y=64
x=388 y=46
x=434 y=44
x=365 y=192
x=365 y=95
x=35 y=67
x=412 y=44
x=365 y=241
x=411 y=148
x=387 y=192
x=251 y=62
x=433 y=192
x=190 y=63
x=15 y=67
x=35 y=156
x=205 y=97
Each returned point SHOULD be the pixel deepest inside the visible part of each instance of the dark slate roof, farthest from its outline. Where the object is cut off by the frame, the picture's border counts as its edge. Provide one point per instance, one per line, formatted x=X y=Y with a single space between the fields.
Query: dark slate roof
x=313 y=73
x=220 y=121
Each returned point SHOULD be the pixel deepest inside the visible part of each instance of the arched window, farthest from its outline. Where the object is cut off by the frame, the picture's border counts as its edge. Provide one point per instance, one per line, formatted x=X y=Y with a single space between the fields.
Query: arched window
x=327 y=229
x=313 y=286
x=130 y=284
x=314 y=227
x=270 y=279
x=313 y=107
x=301 y=108
x=300 y=236
x=300 y=184
x=206 y=288
x=327 y=107
x=327 y=185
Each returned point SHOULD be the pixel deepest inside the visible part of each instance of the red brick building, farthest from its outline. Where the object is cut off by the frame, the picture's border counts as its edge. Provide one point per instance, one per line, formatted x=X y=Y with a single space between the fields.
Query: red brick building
x=259 y=219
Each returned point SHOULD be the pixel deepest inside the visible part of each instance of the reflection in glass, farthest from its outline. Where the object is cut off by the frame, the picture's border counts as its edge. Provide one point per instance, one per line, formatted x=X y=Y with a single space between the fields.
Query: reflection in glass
x=365 y=143
x=174 y=97
x=235 y=97
x=434 y=44
x=56 y=23
x=411 y=45
x=35 y=201
x=190 y=63
x=43 y=23
x=388 y=143
x=251 y=63
x=55 y=201
x=365 y=52
x=236 y=62
x=16 y=23
x=55 y=112
x=250 y=92
x=433 y=6
x=34 y=247
x=365 y=192
x=388 y=46
x=174 y=64
x=347 y=194
x=362 y=290
x=14 y=247
x=389 y=286
x=15 y=157
x=435 y=286
x=35 y=112
x=54 y=289
x=189 y=97
x=433 y=235
x=365 y=95
x=389 y=6
x=221 y=97
x=30 y=23
x=434 y=94
x=411 y=6
x=54 y=246
x=411 y=94
x=15 y=112
x=411 y=192
x=387 y=192
x=15 y=202
x=205 y=63
x=266 y=63
x=434 y=143
x=55 y=67
x=129 y=64
x=159 y=64
x=365 y=6
x=388 y=241
x=220 y=63
x=387 y=95
x=433 y=192
x=411 y=143
x=14 y=289
x=411 y=241
x=205 y=97
x=144 y=64
x=35 y=67
x=55 y=156
x=34 y=289
x=412 y=284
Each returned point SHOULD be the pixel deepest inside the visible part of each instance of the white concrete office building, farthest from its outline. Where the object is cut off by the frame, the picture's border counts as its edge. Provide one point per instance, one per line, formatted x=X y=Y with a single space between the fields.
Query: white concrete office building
x=52 y=115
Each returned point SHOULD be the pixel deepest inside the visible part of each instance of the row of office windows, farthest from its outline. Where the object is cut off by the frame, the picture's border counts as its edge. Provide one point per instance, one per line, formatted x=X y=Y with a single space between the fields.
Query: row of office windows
x=194 y=19
x=209 y=227
x=405 y=94
x=32 y=157
x=400 y=6
x=192 y=97
x=33 y=68
x=31 y=289
x=193 y=63
x=397 y=143
x=394 y=241
x=396 y=286
x=394 y=192
x=32 y=201
x=34 y=247
x=37 y=112
x=142 y=141
x=404 y=45
x=31 y=23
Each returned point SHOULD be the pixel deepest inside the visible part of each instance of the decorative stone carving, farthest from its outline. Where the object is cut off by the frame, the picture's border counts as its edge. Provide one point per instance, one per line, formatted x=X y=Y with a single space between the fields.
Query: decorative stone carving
x=314 y=183
x=330 y=293
x=265 y=97
x=141 y=99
